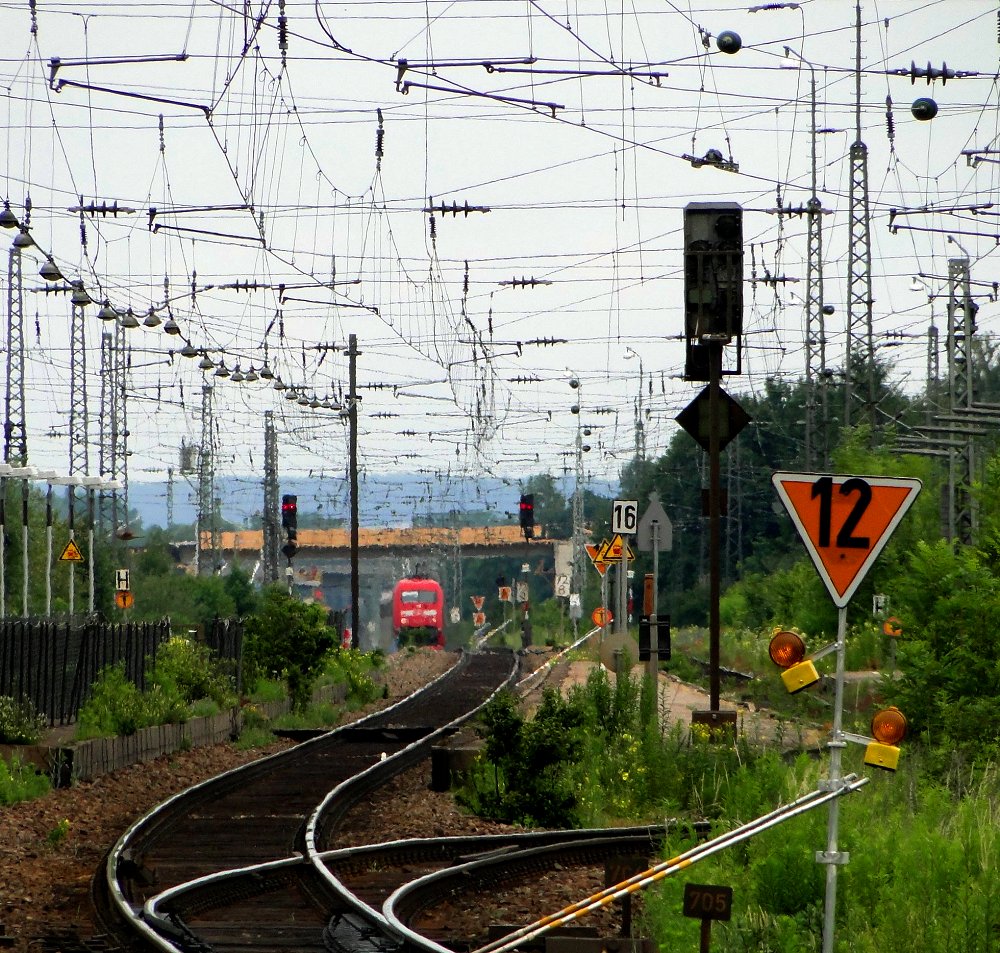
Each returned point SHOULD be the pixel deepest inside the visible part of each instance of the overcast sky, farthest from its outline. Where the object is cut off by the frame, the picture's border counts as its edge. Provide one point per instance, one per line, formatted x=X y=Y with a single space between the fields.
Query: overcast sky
x=570 y=121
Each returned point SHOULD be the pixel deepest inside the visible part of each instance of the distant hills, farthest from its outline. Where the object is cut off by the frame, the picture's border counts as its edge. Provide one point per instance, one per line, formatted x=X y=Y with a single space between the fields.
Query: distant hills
x=383 y=500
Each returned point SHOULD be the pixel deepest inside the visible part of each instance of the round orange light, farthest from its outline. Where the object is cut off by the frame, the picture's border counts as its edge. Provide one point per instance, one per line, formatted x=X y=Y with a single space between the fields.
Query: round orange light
x=889 y=726
x=786 y=649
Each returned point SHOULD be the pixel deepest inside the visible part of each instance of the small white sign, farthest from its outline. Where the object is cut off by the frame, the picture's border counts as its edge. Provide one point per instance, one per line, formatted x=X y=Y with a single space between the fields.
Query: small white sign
x=522 y=592
x=562 y=585
x=456 y=615
x=624 y=516
x=121 y=580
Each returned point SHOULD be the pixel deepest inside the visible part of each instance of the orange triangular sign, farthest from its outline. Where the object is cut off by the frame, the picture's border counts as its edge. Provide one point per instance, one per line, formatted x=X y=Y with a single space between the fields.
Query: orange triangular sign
x=71 y=554
x=844 y=521
x=594 y=552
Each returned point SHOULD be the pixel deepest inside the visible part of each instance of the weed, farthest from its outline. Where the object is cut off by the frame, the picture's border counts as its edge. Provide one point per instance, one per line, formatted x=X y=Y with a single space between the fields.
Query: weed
x=20 y=781
x=20 y=723
x=58 y=833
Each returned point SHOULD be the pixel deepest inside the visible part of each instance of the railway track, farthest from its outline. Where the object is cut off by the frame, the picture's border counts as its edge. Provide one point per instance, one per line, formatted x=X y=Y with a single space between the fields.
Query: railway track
x=256 y=821
x=249 y=860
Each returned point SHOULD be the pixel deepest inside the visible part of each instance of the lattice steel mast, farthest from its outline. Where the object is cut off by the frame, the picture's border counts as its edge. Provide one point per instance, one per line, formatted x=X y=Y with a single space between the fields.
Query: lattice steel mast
x=860 y=344
x=270 y=522
x=15 y=447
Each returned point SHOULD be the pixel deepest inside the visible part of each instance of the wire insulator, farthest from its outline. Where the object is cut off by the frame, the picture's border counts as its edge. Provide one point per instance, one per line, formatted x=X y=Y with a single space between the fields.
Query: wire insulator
x=282 y=32
x=379 y=140
x=890 y=122
x=433 y=227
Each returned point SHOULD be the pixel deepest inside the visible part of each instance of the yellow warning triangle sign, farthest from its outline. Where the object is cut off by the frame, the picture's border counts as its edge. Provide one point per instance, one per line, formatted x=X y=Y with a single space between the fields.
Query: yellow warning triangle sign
x=616 y=550
x=71 y=554
x=844 y=521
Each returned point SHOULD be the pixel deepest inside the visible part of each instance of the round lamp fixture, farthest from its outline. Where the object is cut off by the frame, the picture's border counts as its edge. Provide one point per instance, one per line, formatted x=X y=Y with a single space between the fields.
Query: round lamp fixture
x=50 y=270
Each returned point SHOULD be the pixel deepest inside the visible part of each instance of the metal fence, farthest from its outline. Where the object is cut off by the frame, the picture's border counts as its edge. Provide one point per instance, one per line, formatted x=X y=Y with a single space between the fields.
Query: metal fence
x=53 y=664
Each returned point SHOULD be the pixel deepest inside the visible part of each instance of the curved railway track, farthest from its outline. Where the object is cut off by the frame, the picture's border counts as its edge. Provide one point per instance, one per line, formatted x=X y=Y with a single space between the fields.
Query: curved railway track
x=258 y=819
x=249 y=860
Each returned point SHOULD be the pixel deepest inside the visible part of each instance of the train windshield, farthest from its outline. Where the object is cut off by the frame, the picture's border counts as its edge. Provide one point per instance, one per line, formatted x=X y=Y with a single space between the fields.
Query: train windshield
x=425 y=596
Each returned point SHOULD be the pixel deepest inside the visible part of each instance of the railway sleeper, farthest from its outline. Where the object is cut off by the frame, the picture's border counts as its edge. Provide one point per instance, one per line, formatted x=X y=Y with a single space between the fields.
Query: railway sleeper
x=369 y=734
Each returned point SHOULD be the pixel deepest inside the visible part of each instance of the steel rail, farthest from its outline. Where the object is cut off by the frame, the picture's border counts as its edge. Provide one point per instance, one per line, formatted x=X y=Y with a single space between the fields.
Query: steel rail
x=145 y=828
x=800 y=806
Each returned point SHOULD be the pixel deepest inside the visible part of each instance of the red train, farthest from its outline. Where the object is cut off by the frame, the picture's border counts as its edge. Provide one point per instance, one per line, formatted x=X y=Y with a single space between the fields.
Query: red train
x=418 y=612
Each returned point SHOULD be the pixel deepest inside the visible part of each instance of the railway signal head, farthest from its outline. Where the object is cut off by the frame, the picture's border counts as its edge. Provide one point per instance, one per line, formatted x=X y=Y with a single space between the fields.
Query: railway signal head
x=289 y=511
x=527 y=514
x=888 y=728
x=788 y=651
x=290 y=548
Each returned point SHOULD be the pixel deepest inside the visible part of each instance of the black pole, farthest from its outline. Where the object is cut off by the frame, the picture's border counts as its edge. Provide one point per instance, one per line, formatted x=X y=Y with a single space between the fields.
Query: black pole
x=352 y=406
x=714 y=508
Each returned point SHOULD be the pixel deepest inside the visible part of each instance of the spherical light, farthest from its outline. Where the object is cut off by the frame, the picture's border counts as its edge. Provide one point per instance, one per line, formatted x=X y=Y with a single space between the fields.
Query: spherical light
x=170 y=326
x=278 y=385
x=314 y=403
x=923 y=109
x=238 y=376
x=7 y=218
x=189 y=350
x=23 y=240
x=291 y=394
x=152 y=319
x=729 y=41
x=251 y=375
x=50 y=270
x=266 y=373
x=206 y=363
x=129 y=320
x=222 y=370
x=107 y=313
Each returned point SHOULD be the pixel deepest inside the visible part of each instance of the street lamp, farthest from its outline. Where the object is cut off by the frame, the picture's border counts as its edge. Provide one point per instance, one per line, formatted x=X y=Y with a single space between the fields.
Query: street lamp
x=640 y=432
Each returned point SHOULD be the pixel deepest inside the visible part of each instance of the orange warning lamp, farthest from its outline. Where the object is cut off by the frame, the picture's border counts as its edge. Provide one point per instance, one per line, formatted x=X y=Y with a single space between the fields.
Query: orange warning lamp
x=888 y=728
x=787 y=651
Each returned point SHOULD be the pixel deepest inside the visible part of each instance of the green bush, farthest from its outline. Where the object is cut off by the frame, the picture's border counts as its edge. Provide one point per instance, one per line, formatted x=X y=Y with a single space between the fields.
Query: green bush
x=290 y=640
x=20 y=781
x=353 y=669
x=20 y=724
x=187 y=671
x=117 y=707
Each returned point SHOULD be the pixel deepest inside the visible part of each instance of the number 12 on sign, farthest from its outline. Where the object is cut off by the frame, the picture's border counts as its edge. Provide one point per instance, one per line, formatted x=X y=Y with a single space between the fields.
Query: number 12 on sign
x=844 y=521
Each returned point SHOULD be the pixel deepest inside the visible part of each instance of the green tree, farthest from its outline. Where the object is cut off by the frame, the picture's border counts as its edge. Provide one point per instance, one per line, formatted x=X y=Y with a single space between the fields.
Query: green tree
x=290 y=640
